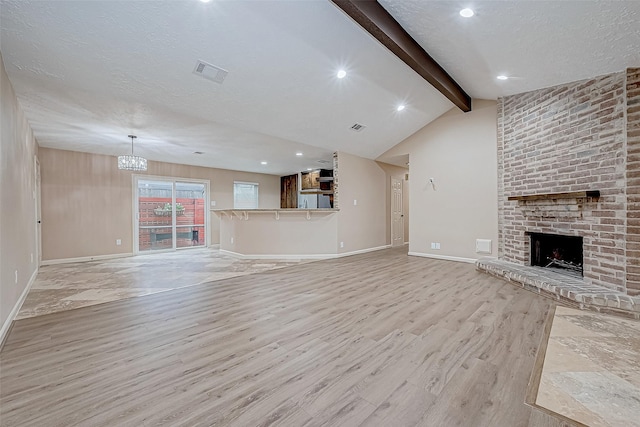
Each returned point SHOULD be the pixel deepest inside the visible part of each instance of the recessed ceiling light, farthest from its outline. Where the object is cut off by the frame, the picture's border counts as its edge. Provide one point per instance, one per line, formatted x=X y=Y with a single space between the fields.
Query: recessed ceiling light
x=263 y=163
x=341 y=74
x=502 y=77
x=400 y=107
x=205 y=1
x=298 y=154
x=309 y=169
x=466 y=13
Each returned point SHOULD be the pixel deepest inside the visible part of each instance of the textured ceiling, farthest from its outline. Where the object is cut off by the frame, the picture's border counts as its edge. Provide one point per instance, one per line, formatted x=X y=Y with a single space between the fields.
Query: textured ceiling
x=538 y=43
x=88 y=73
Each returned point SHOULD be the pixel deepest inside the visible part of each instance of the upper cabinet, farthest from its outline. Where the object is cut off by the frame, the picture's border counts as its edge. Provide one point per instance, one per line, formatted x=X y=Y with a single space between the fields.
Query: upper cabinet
x=311 y=180
x=321 y=179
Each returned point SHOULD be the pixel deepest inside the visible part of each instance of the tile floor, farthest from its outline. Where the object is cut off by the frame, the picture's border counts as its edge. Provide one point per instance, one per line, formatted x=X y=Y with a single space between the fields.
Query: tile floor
x=591 y=370
x=67 y=286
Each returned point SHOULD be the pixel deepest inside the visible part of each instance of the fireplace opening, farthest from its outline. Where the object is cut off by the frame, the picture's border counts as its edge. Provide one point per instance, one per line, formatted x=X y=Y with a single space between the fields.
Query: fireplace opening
x=560 y=253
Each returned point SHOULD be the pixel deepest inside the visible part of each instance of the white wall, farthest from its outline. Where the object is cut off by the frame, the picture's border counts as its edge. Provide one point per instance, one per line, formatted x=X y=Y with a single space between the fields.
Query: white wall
x=459 y=151
x=18 y=149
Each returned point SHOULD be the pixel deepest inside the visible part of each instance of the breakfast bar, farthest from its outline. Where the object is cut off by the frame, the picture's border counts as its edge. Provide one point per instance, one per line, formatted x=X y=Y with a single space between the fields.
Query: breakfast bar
x=279 y=233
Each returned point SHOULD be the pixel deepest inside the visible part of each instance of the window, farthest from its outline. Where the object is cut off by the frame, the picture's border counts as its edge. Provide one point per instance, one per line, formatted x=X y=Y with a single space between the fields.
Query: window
x=245 y=195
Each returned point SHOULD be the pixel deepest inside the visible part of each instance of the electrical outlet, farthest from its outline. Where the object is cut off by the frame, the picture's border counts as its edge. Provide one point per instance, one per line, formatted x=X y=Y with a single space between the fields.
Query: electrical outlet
x=213 y=203
x=232 y=240
x=342 y=244
x=355 y=202
x=435 y=245
x=32 y=257
x=438 y=245
x=16 y=277
x=118 y=242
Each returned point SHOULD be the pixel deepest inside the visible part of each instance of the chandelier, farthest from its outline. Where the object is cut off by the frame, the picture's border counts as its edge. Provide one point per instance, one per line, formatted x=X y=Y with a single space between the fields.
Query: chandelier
x=130 y=162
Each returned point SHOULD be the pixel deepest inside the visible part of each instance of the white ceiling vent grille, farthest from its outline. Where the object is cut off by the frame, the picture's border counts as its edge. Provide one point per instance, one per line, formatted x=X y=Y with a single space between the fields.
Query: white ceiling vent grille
x=210 y=72
x=357 y=127
x=324 y=162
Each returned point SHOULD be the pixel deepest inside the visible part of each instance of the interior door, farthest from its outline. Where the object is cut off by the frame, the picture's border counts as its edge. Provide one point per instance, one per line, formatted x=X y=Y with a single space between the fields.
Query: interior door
x=397 y=216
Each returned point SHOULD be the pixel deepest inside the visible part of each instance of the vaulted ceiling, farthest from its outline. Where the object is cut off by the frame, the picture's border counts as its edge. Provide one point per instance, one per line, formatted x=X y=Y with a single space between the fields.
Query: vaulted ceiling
x=88 y=73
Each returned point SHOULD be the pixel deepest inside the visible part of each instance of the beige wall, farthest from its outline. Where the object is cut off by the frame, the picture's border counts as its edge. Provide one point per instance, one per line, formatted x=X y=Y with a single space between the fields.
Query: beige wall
x=361 y=226
x=18 y=245
x=292 y=235
x=87 y=201
x=459 y=151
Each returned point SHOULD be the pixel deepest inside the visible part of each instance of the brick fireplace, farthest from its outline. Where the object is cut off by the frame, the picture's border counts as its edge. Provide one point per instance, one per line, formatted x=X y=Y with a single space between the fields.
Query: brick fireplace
x=569 y=165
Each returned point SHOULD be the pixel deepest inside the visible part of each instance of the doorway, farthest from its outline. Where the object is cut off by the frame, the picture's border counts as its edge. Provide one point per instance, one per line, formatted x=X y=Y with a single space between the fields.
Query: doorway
x=397 y=215
x=170 y=214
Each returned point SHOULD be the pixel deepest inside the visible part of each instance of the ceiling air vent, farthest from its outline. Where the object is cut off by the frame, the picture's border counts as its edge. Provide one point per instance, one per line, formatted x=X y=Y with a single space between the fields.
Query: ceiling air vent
x=210 y=72
x=325 y=162
x=358 y=127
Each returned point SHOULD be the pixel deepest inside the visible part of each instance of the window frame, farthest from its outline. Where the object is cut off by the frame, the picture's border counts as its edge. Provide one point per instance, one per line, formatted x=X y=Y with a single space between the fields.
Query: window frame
x=256 y=186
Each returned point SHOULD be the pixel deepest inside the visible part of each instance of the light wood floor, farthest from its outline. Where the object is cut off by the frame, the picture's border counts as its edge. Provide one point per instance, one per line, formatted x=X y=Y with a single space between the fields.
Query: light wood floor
x=379 y=339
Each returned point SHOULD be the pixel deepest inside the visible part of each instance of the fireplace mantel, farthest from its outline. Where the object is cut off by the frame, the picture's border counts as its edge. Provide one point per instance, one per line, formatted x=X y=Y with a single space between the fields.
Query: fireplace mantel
x=589 y=194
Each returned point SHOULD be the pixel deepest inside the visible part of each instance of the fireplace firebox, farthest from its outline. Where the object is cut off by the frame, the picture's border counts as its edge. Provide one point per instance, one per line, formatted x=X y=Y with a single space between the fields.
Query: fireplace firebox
x=561 y=253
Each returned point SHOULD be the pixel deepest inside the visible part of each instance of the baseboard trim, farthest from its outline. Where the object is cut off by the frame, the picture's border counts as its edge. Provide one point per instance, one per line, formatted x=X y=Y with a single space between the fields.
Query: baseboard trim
x=276 y=256
x=301 y=256
x=444 y=257
x=362 y=251
x=8 y=323
x=85 y=259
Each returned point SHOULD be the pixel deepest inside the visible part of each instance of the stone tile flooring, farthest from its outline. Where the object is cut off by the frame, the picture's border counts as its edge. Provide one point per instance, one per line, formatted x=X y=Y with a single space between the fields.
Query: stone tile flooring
x=591 y=369
x=67 y=286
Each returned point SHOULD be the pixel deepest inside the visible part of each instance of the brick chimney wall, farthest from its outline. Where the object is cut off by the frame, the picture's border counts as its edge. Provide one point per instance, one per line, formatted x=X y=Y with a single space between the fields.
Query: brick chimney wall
x=580 y=136
x=633 y=181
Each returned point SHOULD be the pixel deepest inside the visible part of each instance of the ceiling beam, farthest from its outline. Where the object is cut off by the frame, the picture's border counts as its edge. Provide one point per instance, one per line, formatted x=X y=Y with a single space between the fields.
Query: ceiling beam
x=380 y=24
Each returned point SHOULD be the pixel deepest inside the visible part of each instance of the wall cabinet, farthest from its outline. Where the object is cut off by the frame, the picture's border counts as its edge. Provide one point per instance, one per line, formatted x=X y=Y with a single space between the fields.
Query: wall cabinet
x=321 y=179
x=310 y=180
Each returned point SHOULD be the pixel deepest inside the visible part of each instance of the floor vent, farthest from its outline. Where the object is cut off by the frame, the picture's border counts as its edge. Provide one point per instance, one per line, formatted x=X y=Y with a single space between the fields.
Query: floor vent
x=210 y=72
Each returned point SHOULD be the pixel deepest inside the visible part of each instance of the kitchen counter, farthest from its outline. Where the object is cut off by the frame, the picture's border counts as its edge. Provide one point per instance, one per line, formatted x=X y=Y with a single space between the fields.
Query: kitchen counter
x=244 y=213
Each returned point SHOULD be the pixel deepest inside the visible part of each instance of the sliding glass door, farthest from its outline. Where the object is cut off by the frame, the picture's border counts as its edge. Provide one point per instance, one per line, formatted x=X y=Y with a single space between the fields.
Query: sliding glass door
x=170 y=214
x=190 y=218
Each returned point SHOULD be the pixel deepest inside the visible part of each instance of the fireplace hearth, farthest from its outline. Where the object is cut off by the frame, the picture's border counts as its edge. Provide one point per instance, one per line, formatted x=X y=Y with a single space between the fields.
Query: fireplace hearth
x=560 y=253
